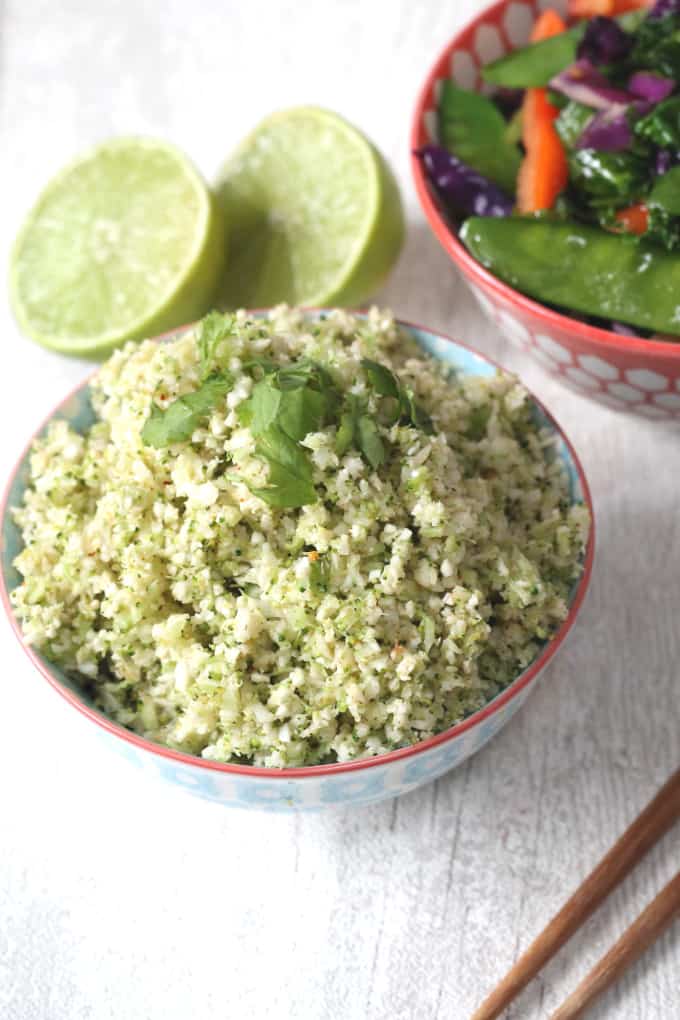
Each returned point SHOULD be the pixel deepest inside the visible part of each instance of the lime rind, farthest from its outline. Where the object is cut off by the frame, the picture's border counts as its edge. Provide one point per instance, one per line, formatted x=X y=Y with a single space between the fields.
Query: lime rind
x=186 y=297
x=261 y=269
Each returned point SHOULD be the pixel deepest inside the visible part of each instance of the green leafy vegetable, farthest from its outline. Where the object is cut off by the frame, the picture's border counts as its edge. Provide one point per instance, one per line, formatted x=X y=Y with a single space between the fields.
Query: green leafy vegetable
x=662 y=125
x=417 y=414
x=298 y=398
x=358 y=428
x=386 y=384
x=572 y=121
x=304 y=373
x=666 y=192
x=180 y=419
x=536 y=64
x=514 y=127
x=663 y=228
x=608 y=275
x=215 y=329
x=285 y=406
x=266 y=364
x=370 y=442
x=290 y=472
x=348 y=425
x=608 y=178
x=664 y=211
x=301 y=411
x=381 y=379
x=474 y=130
x=657 y=46
x=262 y=407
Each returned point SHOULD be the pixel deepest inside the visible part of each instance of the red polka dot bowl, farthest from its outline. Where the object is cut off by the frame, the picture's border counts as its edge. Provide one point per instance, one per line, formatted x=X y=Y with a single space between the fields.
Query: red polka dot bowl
x=626 y=373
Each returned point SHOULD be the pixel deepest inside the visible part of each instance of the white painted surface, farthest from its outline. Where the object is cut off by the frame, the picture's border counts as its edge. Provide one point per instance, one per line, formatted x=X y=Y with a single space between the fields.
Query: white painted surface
x=119 y=898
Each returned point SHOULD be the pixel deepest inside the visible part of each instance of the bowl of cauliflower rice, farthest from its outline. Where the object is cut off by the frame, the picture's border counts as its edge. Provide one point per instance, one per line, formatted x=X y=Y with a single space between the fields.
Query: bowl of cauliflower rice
x=294 y=558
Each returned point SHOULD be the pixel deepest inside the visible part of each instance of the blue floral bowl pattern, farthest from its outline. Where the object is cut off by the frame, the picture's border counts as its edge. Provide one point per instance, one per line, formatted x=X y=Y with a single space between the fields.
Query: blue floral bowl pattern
x=314 y=788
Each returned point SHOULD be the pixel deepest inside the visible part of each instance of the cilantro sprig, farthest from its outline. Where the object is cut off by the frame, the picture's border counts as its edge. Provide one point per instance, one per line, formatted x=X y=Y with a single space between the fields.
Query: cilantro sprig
x=405 y=408
x=286 y=404
x=290 y=471
x=213 y=348
x=179 y=420
x=358 y=428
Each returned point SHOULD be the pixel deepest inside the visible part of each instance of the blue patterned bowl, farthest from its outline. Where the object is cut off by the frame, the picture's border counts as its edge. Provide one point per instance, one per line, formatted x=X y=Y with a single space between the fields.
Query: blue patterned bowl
x=316 y=787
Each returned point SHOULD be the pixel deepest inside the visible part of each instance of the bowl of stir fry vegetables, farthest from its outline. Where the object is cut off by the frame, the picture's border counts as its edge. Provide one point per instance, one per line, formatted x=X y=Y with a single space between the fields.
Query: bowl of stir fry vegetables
x=546 y=157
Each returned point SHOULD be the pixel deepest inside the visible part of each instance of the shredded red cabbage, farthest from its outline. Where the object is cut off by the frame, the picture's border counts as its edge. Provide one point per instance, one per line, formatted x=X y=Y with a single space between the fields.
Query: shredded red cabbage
x=665 y=160
x=651 y=86
x=663 y=7
x=584 y=84
x=604 y=41
x=461 y=186
x=607 y=131
x=623 y=329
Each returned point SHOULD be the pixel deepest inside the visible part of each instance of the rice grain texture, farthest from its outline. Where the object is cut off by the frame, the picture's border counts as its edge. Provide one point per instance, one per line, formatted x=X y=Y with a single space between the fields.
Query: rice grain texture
x=203 y=618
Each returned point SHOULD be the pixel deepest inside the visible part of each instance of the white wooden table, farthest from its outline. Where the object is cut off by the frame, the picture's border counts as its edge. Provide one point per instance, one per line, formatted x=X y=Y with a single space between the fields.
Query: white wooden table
x=121 y=899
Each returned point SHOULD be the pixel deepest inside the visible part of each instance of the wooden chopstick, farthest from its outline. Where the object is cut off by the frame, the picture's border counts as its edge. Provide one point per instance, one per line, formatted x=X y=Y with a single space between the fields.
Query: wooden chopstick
x=652 y=922
x=654 y=822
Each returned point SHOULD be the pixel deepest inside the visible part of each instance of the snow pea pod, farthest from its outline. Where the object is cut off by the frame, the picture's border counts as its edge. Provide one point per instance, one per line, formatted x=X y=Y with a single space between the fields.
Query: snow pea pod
x=583 y=269
x=536 y=64
x=472 y=128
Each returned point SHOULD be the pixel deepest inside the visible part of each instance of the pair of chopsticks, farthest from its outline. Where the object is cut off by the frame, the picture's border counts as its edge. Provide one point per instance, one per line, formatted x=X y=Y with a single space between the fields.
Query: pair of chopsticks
x=648 y=828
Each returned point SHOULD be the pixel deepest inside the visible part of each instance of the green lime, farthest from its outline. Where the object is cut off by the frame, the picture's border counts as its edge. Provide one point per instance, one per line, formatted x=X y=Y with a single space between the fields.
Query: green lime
x=124 y=243
x=314 y=213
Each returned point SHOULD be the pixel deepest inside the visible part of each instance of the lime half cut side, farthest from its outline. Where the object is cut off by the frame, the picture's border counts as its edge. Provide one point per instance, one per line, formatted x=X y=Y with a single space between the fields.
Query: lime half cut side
x=124 y=243
x=314 y=213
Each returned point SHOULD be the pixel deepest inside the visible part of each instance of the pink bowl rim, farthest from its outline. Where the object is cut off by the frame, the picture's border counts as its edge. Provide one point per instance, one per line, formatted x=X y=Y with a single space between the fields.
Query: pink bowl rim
x=459 y=253
x=336 y=768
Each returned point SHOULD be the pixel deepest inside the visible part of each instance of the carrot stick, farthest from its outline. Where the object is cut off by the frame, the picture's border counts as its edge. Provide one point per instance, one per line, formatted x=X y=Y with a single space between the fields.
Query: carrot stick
x=605 y=8
x=544 y=171
x=547 y=24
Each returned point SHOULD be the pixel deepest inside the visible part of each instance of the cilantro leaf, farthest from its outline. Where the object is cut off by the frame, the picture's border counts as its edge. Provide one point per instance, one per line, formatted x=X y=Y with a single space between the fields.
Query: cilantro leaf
x=179 y=420
x=386 y=384
x=290 y=471
x=266 y=364
x=382 y=380
x=666 y=192
x=298 y=411
x=261 y=408
x=215 y=328
x=417 y=414
x=301 y=411
x=370 y=442
x=304 y=372
x=347 y=428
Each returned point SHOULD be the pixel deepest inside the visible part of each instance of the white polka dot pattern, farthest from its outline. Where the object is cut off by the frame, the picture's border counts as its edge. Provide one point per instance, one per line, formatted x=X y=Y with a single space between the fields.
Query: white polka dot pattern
x=517 y=22
x=488 y=44
x=646 y=380
x=641 y=390
x=464 y=69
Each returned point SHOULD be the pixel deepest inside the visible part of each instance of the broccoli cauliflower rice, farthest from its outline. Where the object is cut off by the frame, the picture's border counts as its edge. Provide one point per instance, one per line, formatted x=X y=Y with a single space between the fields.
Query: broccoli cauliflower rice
x=389 y=578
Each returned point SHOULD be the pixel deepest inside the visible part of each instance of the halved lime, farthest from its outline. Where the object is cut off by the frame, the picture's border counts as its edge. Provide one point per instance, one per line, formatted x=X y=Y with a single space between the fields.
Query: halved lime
x=124 y=243
x=314 y=213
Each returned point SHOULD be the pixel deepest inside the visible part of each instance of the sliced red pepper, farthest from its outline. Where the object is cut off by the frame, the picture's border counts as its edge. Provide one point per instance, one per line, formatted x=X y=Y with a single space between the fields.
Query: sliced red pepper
x=634 y=219
x=544 y=171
